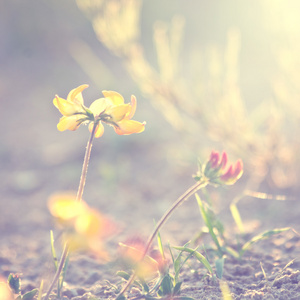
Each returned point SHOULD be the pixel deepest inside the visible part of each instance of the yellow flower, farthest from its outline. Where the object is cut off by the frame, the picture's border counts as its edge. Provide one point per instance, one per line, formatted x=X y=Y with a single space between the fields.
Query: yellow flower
x=123 y=125
x=5 y=291
x=85 y=228
x=110 y=110
x=72 y=109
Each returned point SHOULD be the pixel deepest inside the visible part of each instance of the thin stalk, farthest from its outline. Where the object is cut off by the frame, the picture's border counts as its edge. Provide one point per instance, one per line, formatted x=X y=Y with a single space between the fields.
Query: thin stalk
x=85 y=164
x=78 y=198
x=188 y=193
x=58 y=271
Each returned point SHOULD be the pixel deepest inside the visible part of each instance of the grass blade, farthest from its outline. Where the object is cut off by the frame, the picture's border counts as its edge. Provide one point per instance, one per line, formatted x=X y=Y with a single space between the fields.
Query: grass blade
x=262 y=236
x=53 y=249
x=208 y=223
x=40 y=290
x=225 y=290
x=220 y=267
x=197 y=255
x=237 y=217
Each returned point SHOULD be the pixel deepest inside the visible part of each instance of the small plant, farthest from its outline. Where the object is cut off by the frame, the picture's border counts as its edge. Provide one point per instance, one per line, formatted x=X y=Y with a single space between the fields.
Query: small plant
x=215 y=168
x=84 y=227
x=154 y=279
x=215 y=172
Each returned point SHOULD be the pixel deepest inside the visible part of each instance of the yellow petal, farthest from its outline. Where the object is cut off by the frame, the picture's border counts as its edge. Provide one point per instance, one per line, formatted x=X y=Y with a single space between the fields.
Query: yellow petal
x=118 y=112
x=89 y=223
x=64 y=206
x=70 y=123
x=5 y=291
x=65 y=107
x=99 y=130
x=75 y=94
x=129 y=127
x=133 y=108
x=99 y=106
x=114 y=97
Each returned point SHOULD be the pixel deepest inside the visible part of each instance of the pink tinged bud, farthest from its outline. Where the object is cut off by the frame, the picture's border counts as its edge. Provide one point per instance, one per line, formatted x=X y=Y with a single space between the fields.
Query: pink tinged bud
x=233 y=173
x=227 y=175
x=223 y=162
x=214 y=159
x=238 y=170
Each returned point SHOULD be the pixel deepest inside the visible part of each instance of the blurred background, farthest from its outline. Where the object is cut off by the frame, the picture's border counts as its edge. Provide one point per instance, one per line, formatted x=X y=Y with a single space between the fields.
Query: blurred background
x=206 y=74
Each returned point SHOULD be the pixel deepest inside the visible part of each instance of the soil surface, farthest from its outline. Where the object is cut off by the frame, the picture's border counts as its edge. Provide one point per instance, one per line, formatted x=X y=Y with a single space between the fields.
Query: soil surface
x=132 y=179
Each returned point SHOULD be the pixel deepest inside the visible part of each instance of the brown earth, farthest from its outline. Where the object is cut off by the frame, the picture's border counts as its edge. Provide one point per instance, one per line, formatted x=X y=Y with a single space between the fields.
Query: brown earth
x=133 y=179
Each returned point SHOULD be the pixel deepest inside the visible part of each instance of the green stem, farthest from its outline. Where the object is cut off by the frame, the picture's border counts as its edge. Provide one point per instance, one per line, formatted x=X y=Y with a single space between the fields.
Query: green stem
x=188 y=193
x=78 y=198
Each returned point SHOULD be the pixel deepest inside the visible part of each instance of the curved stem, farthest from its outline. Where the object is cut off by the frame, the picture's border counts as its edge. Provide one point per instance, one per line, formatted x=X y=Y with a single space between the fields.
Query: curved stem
x=192 y=190
x=78 y=198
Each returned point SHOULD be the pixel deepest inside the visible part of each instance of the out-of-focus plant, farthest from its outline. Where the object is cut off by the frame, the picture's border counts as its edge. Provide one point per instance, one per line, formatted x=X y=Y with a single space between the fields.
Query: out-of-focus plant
x=11 y=289
x=154 y=279
x=85 y=228
x=206 y=99
x=5 y=291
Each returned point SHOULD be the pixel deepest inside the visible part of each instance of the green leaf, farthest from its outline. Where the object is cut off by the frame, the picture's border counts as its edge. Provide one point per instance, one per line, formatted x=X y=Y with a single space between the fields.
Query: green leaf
x=197 y=255
x=123 y=274
x=166 y=285
x=237 y=217
x=220 y=267
x=176 y=290
x=177 y=262
x=30 y=295
x=64 y=270
x=226 y=295
x=145 y=285
x=14 y=282
x=231 y=251
x=126 y=276
x=40 y=290
x=262 y=236
x=208 y=223
x=160 y=245
x=53 y=250
x=19 y=297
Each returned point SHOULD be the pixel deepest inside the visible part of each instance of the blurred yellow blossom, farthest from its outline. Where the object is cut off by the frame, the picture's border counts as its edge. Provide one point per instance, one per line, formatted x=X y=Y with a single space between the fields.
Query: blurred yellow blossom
x=5 y=291
x=85 y=228
x=110 y=110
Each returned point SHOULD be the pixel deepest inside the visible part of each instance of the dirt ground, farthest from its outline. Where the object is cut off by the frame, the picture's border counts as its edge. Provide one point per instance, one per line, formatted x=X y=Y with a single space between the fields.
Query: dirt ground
x=133 y=179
